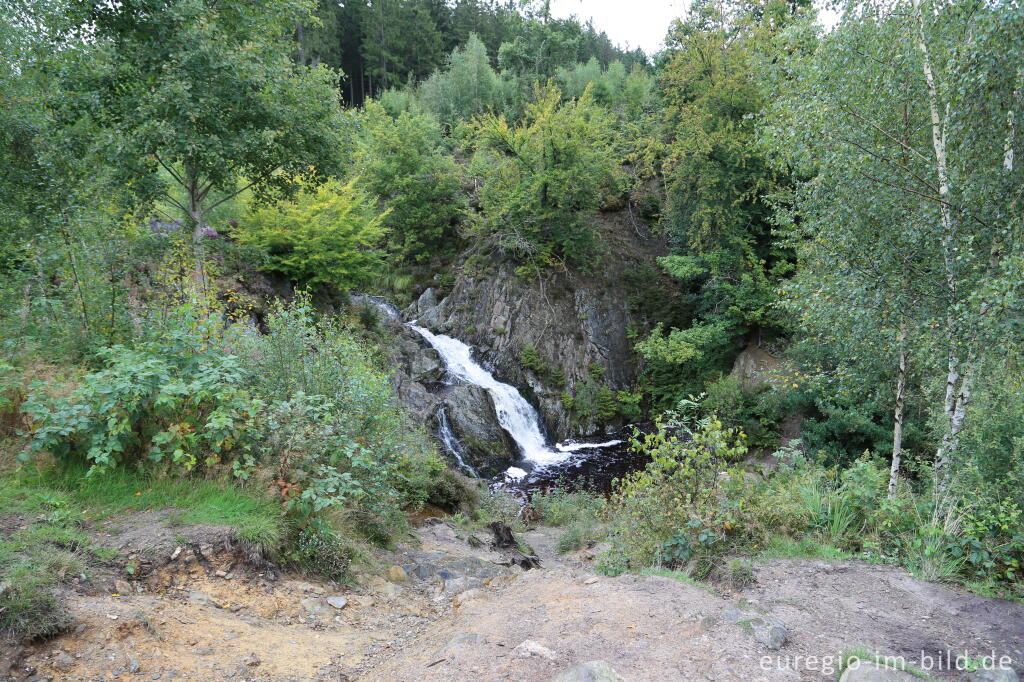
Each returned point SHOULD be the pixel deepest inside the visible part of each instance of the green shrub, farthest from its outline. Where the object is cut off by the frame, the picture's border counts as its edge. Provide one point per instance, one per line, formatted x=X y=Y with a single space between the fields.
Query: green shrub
x=531 y=360
x=178 y=400
x=320 y=550
x=561 y=507
x=675 y=498
x=328 y=235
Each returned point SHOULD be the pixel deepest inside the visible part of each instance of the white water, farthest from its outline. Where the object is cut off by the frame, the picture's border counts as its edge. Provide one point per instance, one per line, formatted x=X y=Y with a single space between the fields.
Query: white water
x=515 y=414
x=573 y=447
x=451 y=443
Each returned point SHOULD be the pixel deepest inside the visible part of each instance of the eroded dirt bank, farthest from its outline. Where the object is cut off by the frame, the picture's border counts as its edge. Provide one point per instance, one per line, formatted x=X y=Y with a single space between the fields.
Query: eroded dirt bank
x=441 y=609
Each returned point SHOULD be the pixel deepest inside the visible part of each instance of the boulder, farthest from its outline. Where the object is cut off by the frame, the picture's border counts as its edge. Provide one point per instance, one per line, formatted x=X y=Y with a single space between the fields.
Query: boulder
x=591 y=671
x=485 y=444
x=530 y=648
x=397 y=574
x=770 y=631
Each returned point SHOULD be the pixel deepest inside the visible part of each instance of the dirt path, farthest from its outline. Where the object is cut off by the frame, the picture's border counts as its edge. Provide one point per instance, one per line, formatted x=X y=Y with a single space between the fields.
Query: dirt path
x=452 y=612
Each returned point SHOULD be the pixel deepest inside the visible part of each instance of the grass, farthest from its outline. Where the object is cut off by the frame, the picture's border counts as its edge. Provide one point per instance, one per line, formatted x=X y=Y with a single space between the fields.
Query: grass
x=53 y=547
x=681 y=577
x=785 y=547
x=895 y=662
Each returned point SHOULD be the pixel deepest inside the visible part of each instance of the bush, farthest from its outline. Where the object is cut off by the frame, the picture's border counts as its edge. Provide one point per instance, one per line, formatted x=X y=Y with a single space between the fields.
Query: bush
x=177 y=400
x=328 y=235
x=675 y=499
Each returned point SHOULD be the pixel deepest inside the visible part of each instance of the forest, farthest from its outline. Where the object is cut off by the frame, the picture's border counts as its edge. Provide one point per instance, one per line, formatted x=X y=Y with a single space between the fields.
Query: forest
x=198 y=196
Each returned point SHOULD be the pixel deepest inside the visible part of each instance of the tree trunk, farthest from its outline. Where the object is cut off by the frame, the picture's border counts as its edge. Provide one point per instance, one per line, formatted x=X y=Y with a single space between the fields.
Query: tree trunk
x=198 y=217
x=958 y=385
x=897 y=429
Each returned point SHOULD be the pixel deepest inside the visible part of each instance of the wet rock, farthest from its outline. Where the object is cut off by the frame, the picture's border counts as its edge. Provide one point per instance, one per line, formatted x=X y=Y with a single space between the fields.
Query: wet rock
x=530 y=648
x=473 y=420
x=868 y=671
x=591 y=671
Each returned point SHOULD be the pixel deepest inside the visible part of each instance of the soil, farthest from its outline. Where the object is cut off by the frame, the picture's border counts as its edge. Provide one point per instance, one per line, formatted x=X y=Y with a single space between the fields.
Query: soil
x=446 y=607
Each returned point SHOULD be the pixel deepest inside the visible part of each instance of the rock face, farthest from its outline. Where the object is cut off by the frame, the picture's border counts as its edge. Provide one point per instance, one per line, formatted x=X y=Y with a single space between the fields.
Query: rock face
x=566 y=334
x=561 y=338
x=485 y=444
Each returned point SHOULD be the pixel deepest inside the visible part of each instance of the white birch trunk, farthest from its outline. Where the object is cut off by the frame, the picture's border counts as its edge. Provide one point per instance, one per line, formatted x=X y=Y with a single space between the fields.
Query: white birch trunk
x=897 y=429
x=957 y=385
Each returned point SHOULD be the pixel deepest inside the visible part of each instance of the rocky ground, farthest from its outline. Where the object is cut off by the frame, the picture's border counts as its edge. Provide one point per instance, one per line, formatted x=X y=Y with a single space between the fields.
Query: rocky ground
x=444 y=609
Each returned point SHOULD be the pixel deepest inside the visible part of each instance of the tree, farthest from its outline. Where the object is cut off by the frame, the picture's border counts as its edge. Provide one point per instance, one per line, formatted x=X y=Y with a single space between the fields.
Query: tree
x=401 y=40
x=466 y=88
x=329 y=235
x=546 y=176
x=199 y=100
x=900 y=131
x=402 y=160
x=701 y=145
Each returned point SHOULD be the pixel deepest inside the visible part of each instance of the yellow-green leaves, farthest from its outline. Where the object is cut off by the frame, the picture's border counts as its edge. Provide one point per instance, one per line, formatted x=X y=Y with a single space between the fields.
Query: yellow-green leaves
x=327 y=235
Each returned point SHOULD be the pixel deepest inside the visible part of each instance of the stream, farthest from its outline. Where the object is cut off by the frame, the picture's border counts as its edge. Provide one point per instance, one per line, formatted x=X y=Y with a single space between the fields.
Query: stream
x=589 y=462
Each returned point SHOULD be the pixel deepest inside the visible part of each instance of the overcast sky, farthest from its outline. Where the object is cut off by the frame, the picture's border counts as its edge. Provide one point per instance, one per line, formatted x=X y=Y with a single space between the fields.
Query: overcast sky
x=639 y=23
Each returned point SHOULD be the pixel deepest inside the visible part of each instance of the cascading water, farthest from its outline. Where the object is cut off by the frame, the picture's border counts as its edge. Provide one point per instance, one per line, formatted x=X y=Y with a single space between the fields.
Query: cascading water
x=451 y=443
x=515 y=414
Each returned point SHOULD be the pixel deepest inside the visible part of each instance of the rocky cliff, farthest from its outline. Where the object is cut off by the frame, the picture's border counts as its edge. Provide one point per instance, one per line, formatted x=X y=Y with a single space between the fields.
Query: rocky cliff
x=562 y=337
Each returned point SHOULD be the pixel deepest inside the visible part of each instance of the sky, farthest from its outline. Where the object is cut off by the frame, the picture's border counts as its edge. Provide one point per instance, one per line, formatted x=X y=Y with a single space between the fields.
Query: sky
x=638 y=23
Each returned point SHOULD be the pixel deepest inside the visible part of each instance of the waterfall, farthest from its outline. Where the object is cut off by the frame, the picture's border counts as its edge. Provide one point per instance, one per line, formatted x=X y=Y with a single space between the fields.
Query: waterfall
x=515 y=414
x=451 y=443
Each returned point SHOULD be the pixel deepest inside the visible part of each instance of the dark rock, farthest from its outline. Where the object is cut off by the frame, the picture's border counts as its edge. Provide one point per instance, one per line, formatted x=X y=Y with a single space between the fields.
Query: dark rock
x=992 y=675
x=485 y=444
x=577 y=325
x=768 y=630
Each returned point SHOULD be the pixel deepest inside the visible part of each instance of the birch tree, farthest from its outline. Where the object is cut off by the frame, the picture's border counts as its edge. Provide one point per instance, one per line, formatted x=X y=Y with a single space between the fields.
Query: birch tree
x=898 y=128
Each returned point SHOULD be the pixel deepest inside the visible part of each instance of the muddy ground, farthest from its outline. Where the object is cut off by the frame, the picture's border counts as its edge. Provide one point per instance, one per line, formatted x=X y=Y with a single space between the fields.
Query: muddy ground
x=201 y=608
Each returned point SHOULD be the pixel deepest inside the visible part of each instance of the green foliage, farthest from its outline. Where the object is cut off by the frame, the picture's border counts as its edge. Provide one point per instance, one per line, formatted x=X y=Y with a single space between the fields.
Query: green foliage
x=544 y=178
x=467 y=87
x=320 y=550
x=333 y=432
x=561 y=507
x=755 y=411
x=327 y=235
x=677 y=363
x=404 y=162
x=531 y=360
x=674 y=499
x=175 y=399
x=202 y=96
